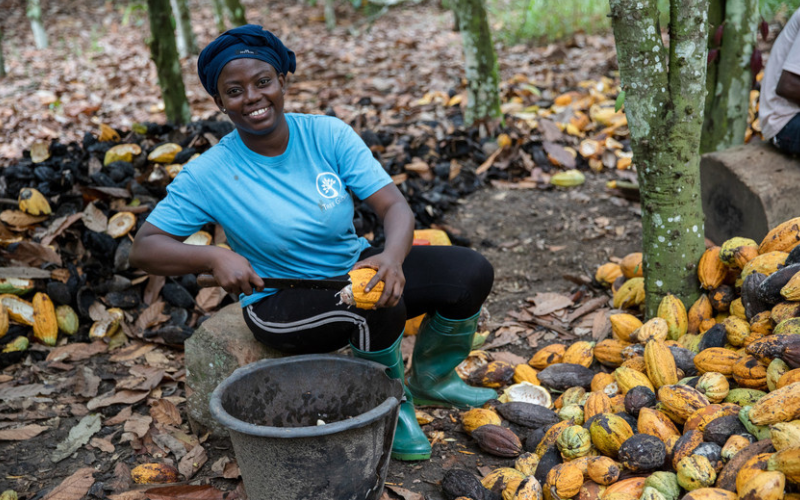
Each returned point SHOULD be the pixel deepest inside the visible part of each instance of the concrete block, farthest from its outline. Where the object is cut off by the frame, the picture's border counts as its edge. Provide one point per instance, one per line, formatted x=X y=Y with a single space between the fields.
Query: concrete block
x=220 y=345
x=748 y=190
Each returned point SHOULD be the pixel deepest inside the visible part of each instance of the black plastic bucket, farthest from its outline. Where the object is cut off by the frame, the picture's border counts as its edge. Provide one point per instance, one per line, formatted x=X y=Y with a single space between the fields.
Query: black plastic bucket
x=272 y=407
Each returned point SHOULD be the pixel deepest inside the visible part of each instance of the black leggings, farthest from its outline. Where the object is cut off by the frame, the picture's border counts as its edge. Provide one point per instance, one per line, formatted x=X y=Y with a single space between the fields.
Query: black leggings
x=453 y=281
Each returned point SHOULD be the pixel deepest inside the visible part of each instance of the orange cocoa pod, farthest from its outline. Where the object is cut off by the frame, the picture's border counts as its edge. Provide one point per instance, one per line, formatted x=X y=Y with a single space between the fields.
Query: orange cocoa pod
x=609 y=352
x=661 y=368
x=656 y=424
x=155 y=474
x=680 y=401
x=750 y=374
x=597 y=403
x=603 y=470
x=711 y=271
x=631 y=265
x=716 y=359
x=753 y=467
x=579 y=353
x=547 y=356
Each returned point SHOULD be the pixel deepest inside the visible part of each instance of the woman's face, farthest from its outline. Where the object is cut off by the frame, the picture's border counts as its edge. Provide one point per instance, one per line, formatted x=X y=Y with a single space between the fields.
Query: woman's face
x=251 y=93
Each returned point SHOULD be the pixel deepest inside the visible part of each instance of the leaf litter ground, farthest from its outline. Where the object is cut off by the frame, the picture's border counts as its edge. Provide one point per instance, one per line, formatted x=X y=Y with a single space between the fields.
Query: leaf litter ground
x=544 y=242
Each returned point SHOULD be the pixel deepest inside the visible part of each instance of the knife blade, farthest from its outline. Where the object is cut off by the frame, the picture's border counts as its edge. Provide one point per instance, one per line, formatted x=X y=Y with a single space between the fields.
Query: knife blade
x=208 y=280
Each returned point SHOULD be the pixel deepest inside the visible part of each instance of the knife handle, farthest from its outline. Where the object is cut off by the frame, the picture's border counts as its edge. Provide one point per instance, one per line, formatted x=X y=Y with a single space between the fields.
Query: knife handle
x=206 y=281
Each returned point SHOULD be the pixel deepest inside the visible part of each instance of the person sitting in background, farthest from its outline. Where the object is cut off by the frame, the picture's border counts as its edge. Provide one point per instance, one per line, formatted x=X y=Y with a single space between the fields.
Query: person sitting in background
x=779 y=103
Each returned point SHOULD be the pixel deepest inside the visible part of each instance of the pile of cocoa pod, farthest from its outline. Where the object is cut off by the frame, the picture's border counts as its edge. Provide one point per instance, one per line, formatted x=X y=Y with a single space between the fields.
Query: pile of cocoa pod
x=697 y=404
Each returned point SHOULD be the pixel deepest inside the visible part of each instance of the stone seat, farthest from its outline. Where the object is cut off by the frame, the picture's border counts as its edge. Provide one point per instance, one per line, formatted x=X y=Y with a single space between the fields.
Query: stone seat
x=219 y=346
x=748 y=190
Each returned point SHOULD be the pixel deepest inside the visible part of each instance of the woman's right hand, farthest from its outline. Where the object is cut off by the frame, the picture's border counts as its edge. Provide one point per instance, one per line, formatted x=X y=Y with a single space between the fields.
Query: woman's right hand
x=234 y=273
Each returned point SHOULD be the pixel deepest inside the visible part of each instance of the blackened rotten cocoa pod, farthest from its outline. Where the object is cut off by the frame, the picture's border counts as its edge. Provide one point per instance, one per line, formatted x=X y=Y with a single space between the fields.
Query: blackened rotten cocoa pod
x=720 y=429
x=685 y=446
x=549 y=460
x=497 y=440
x=713 y=452
x=527 y=414
x=794 y=256
x=716 y=336
x=684 y=360
x=562 y=376
x=534 y=437
x=642 y=452
x=639 y=397
x=752 y=304
x=772 y=346
x=769 y=291
x=460 y=483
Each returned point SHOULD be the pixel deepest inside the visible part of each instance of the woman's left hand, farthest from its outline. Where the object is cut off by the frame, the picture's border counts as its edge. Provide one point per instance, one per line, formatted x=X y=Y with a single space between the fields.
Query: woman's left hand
x=390 y=271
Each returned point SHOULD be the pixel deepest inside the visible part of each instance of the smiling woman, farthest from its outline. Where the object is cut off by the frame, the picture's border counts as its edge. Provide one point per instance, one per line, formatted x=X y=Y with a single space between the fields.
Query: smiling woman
x=281 y=185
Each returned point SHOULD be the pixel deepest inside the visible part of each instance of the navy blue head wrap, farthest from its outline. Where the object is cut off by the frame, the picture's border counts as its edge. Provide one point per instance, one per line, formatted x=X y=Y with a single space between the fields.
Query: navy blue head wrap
x=250 y=41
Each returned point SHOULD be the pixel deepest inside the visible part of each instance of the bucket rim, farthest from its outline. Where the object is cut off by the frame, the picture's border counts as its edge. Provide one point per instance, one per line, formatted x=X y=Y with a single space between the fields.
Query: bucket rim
x=234 y=424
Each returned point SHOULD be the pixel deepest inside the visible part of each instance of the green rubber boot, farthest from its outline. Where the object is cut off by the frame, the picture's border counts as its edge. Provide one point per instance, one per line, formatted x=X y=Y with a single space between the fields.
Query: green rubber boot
x=441 y=345
x=410 y=443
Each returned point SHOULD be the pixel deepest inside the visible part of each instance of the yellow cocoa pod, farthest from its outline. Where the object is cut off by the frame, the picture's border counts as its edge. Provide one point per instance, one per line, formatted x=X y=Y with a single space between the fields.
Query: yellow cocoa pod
x=783 y=311
x=165 y=153
x=566 y=479
x=19 y=310
x=527 y=463
x=630 y=294
x=574 y=442
x=504 y=476
x=597 y=403
x=680 y=401
x=547 y=356
x=701 y=418
x=654 y=328
x=606 y=383
x=789 y=326
x=790 y=377
x=45 y=324
x=776 y=369
x=656 y=424
x=784 y=237
x=787 y=462
x=609 y=352
x=674 y=312
x=734 y=445
x=716 y=359
x=631 y=487
x=736 y=252
x=737 y=330
x=525 y=373
x=700 y=311
x=3 y=320
x=355 y=294
x=785 y=435
x=661 y=368
x=618 y=403
x=711 y=271
x=603 y=470
x=67 y=319
x=529 y=489
x=608 y=432
x=714 y=386
x=628 y=378
x=781 y=405
x=154 y=474
x=768 y=485
x=551 y=436
x=762 y=323
x=579 y=353
x=752 y=467
x=607 y=274
x=709 y=494
x=635 y=363
x=737 y=309
x=476 y=417
x=695 y=472
x=623 y=325
x=32 y=202
x=631 y=265
x=791 y=290
x=766 y=263
x=749 y=373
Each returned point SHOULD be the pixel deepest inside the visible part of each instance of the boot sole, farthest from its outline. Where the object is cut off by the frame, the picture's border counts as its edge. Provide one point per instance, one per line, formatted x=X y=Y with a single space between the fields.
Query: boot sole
x=410 y=457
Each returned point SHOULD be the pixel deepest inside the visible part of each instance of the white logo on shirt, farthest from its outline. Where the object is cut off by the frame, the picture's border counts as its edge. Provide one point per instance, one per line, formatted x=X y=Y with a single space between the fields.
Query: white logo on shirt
x=328 y=185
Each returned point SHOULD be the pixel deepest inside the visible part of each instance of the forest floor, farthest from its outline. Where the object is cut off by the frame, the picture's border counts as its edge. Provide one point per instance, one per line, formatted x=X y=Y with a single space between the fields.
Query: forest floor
x=541 y=239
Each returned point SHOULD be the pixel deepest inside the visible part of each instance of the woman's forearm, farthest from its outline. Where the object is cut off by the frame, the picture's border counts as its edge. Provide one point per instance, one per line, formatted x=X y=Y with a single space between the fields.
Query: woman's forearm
x=398 y=226
x=161 y=255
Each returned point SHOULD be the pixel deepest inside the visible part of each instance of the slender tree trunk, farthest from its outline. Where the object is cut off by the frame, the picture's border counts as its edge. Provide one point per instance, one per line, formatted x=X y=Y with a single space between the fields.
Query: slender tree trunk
x=664 y=105
x=2 y=59
x=330 y=14
x=236 y=12
x=730 y=76
x=219 y=15
x=34 y=13
x=168 y=66
x=480 y=62
x=183 y=22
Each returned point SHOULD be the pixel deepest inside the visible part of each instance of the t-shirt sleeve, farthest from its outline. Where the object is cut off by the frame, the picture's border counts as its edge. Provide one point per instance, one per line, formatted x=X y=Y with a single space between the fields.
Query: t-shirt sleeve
x=180 y=213
x=792 y=63
x=358 y=169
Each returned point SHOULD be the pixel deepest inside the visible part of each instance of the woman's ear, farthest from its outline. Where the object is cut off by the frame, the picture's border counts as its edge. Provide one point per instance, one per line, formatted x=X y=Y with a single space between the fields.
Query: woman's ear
x=282 y=81
x=218 y=102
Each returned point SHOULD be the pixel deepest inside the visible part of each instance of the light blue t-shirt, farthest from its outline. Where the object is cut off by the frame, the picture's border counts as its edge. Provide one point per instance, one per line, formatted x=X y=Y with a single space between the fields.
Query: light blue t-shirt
x=291 y=215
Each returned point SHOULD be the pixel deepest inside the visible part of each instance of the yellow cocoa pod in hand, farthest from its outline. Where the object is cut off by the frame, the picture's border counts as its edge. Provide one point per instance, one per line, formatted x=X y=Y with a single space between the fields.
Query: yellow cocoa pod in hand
x=354 y=294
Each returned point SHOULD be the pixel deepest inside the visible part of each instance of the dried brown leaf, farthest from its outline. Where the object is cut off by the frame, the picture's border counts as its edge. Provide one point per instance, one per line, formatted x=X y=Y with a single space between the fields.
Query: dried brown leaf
x=94 y=219
x=77 y=351
x=121 y=397
x=404 y=493
x=86 y=382
x=133 y=351
x=138 y=424
x=22 y=433
x=102 y=444
x=120 y=417
x=165 y=412
x=153 y=288
x=34 y=254
x=209 y=298
x=185 y=492
x=151 y=316
x=58 y=226
x=192 y=461
x=143 y=378
x=18 y=219
x=548 y=302
x=75 y=487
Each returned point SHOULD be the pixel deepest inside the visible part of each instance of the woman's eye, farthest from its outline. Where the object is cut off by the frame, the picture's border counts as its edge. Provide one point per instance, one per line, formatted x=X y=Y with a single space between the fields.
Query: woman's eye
x=264 y=81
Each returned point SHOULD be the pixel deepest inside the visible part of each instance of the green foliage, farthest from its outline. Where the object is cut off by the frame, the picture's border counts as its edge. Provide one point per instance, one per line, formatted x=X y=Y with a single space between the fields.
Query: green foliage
x=521 y=21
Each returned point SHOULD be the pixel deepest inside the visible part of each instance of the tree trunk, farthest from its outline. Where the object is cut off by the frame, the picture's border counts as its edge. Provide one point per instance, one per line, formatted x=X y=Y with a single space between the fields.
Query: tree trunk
x=168 y=66
x=219 y=15
x=730 y=77
x=235 y=12
x=183 y=22
x=664 y=106
x=330 y=15
x=480 y=62
x=2 y=59
x=34 y=13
